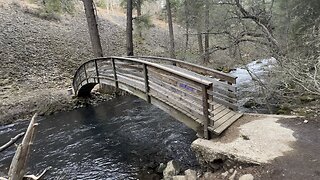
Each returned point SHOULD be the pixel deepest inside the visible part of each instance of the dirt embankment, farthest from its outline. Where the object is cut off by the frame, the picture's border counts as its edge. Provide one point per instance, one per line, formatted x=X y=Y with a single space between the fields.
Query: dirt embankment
x=38 y=57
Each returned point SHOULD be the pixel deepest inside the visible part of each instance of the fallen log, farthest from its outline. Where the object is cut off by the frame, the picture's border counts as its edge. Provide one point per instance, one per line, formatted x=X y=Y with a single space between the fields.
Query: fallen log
x=18 y=165
x=12 y=141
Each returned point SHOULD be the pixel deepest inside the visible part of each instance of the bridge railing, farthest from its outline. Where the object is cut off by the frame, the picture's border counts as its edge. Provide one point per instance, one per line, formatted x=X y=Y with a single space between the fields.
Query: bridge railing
x=155 y=83
x=224 y=85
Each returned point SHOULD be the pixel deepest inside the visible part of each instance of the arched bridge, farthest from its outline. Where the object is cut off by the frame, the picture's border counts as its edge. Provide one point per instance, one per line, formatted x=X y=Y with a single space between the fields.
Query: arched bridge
x=202 y=98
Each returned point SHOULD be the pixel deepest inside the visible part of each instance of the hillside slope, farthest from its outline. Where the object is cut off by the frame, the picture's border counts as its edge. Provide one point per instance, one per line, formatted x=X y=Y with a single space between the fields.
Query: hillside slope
x=38 y=57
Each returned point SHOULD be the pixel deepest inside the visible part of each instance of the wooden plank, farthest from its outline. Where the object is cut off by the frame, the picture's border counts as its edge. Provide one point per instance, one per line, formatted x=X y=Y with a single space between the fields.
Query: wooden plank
x=128 y=71
x=226 y=103
x=157 y=87
x=190 y=115
x=218 y=110
x=222 y=96
x=220 y=114
x=190 y=122
x=175 y=78
x=187 y=108
x=225 y=92
x=132 y=66
x=216 y=83
x=223 y=119
x=138 y=78
x=178 y=82
x=131 y=82
x=106 y=72
x=227 y=123
x=181 y=91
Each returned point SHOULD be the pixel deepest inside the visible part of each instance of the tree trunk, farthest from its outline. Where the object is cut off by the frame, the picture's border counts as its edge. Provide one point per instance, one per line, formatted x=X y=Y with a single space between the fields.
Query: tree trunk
x=129 y=29
x=206 y=36
x=139 y=15
x=200 y=44
x=172 y=49
x=93 y=28
x=186 y=11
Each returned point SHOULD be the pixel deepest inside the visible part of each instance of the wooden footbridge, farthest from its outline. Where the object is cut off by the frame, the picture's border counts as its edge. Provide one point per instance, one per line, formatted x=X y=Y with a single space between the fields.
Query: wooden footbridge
x=202 y=98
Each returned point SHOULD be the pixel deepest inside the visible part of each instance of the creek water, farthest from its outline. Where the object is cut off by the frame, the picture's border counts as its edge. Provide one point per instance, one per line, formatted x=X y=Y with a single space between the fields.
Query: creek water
x=247 y=88
x=115 y=140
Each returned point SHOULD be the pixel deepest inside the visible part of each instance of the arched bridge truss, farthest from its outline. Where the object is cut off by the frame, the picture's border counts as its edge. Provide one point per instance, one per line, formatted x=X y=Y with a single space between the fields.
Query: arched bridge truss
x=202 y=98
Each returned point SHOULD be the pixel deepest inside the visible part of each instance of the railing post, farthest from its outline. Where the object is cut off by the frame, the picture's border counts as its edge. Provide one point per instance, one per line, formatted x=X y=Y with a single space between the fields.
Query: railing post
x=115 y=75
x=211 y=107
x=205 y=105
x=146 y=82
x=97 y=70
x=85 y=72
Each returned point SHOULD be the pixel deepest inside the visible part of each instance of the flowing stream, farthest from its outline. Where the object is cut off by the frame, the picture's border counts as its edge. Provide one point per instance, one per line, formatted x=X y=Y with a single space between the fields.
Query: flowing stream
x=246 y=87
x=114 y=140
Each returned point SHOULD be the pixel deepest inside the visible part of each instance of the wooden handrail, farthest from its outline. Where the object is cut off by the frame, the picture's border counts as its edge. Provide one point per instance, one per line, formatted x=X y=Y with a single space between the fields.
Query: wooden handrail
x=218 y=74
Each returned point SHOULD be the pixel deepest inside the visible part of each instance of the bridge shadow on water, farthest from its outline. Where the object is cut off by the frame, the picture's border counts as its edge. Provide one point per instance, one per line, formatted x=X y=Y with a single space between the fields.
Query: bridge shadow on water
x=114 y=140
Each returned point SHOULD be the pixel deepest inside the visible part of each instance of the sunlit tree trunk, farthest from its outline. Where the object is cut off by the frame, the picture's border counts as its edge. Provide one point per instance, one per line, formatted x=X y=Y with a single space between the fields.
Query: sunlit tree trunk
x=129 y=29
x=206 y=37
x=139 y=15
x=172 y=48
x=93 y=28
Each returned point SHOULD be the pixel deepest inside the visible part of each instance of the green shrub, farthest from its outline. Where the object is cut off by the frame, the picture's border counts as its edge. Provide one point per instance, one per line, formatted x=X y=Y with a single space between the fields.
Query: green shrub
x=51 y=6
x=101 y=4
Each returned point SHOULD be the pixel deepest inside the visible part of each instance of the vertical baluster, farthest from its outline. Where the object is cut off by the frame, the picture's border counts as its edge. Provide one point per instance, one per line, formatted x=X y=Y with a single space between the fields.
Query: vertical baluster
x=205 y=105
x=146 y=82
x=85 y=72
x=211 y=106
x=115 y=75
x=97 y=70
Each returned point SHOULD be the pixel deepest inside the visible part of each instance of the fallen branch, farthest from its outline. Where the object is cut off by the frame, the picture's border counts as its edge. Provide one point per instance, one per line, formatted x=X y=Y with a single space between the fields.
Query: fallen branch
x=18 y=165
x=36 y=177
x=12 y=141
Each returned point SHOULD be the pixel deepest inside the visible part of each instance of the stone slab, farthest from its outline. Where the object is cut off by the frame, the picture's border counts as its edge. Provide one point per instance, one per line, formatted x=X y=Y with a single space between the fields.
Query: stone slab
x=252 y=139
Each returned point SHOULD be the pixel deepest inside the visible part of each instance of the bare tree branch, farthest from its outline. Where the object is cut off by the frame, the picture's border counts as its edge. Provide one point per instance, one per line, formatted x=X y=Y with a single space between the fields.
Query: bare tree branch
x=12 y=141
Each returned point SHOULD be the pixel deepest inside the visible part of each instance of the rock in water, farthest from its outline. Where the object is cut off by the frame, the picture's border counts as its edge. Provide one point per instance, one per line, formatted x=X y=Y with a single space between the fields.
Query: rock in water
x=179 y=178
x=190 y=174
x=161 y=168
x=246 y=177
x=171 y=170
x=233 y=175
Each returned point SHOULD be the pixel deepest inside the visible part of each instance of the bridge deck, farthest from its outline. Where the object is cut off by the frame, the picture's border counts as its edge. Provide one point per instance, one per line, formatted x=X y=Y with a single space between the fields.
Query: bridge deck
x=201 y=98
x=221 y=117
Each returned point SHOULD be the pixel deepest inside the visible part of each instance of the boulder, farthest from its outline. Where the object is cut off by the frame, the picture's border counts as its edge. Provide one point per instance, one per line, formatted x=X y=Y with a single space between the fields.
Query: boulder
x=233 y=175
x=246 y=177
x=161 y=168
x=190 y=174
x=179 y=178
x=171 y=170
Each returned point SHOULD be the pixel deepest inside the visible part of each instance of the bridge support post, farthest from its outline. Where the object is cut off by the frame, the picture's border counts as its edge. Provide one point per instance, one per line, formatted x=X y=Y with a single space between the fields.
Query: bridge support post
x=146 y=82
x=85 y=72
x=115 y=75
x=97 y=70
x=205 y=105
